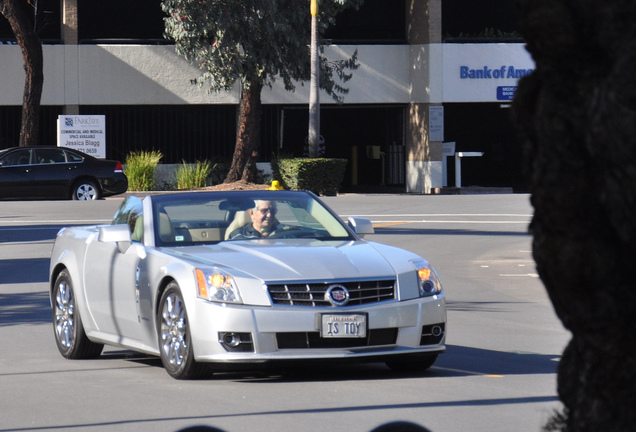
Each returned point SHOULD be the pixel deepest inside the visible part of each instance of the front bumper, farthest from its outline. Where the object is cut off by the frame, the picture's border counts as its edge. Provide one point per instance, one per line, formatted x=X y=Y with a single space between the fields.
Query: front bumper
x=279 y=333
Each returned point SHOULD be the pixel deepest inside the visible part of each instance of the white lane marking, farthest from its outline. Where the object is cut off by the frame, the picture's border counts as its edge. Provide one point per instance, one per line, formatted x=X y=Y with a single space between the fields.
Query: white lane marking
x=444 y=215
x=467 y=372
x=451 y=222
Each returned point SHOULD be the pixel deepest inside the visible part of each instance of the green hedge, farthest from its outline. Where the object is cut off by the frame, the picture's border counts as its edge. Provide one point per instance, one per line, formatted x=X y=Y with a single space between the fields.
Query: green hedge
x=319 y=175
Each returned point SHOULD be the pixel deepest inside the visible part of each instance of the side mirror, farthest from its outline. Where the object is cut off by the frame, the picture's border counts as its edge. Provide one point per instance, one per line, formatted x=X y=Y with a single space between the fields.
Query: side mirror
x=119 y=234
x=360 y=225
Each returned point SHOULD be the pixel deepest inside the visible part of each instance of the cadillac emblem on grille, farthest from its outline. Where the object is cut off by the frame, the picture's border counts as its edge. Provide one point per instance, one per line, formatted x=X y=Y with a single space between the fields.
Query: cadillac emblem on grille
x=337 y=295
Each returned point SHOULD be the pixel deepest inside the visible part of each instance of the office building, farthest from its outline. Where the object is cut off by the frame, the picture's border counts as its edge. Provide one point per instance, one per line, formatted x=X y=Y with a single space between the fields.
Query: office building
x=431 y=72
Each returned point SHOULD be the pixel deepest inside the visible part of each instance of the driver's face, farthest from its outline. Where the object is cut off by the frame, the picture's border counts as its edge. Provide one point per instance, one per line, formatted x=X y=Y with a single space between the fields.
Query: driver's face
x=264 y=216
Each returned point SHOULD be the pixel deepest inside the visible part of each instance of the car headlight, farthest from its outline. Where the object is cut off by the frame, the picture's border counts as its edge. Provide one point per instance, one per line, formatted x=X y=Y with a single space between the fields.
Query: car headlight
x=217 y=285
x=428 y=281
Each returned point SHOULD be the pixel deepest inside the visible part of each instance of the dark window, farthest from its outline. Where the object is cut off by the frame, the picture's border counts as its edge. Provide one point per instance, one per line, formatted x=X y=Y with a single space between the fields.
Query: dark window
x=377 y=21
x=370 y=135
x=479 y=20
x=11 y=118
x=488 y=128
x=179 y=132
x=124 y=20
x=46 y=20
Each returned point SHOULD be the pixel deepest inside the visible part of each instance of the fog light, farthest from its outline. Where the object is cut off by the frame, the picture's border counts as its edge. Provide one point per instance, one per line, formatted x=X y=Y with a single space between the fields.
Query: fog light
x=432 y=334
x=436 y=331
x=231 y=340
x=236 y=342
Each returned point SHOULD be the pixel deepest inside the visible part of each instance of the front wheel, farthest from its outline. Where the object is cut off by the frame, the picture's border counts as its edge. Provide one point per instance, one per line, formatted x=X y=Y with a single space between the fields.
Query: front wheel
x=70 y=337
x=411 y=363
x=175 y=343
x=86 y=190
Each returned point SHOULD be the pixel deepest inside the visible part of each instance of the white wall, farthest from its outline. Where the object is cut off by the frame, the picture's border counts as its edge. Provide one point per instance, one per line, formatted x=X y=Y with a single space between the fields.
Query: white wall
x=142 y=74
x=11 y=75
x=108 y=75
x=383 y=77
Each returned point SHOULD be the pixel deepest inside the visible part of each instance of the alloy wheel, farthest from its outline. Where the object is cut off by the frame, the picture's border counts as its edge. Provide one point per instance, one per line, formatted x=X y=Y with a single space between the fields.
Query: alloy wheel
x=65 y=315
x=173 y=331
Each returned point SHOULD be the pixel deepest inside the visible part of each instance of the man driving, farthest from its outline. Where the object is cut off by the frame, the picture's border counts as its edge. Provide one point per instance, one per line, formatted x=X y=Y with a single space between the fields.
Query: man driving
x=264 y=222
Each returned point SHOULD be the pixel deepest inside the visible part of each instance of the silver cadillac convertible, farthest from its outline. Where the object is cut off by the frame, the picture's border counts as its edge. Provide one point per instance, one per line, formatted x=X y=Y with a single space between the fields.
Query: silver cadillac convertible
x=210 y=281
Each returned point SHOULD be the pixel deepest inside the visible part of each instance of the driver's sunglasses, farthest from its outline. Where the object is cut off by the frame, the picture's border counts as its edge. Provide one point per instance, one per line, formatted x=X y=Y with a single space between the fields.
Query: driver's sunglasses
x=270 y=210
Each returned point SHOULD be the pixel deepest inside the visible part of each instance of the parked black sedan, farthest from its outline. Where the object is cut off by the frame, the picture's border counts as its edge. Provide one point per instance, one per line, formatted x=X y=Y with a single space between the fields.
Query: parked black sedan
x=58 y=172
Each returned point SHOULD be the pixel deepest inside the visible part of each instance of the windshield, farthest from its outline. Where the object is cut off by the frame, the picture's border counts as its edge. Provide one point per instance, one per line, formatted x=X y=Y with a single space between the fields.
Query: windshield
x=212 y=217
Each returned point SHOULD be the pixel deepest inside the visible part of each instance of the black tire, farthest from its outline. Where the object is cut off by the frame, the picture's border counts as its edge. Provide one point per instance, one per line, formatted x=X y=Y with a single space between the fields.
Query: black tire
x=86 y=190
x=70 y=337
x=175 y=343
x=411 y=363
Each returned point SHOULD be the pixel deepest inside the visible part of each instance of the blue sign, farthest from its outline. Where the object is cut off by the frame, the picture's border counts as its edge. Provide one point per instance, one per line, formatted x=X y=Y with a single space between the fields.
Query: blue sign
x=506 y=93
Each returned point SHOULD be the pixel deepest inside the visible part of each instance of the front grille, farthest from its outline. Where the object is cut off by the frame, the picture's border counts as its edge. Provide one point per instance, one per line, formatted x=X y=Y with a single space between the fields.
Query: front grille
x=313 y=294
x=375 y=337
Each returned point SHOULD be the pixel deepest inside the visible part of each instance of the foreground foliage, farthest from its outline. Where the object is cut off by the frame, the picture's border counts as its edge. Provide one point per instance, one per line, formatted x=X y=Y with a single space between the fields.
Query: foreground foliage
x=577 y=112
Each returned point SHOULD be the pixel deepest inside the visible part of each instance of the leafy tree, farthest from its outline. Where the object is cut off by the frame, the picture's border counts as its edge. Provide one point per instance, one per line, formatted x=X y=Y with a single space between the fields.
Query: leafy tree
x=22 y=24
x=577 y=112
x=253 y=42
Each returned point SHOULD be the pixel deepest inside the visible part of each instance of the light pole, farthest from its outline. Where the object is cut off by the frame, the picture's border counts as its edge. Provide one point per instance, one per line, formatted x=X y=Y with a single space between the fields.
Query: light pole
x=314 y=86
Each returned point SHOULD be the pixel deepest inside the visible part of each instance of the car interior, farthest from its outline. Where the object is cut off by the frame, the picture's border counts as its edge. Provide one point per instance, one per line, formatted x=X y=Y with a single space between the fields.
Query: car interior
x=206 y=222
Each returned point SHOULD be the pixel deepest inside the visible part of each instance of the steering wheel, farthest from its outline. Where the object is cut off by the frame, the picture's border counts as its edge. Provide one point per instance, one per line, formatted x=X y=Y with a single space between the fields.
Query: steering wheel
x=295 y=232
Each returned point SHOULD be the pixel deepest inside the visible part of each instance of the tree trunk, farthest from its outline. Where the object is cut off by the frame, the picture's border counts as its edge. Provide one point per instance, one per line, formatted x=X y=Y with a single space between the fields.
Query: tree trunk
x=247 y=136
x=577 y=114
x=31 y=46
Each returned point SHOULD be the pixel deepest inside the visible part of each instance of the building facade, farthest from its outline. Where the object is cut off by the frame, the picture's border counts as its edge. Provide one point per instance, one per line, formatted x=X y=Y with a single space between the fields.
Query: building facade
x=426 y=77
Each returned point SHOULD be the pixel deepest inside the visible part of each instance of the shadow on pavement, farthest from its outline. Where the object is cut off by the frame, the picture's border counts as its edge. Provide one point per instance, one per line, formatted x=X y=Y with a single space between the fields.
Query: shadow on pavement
x=24 y=308
x=21 y=271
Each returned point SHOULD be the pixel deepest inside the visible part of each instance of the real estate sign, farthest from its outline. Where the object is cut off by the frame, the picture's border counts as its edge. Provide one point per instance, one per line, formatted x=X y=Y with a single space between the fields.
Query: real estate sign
x=86 y=133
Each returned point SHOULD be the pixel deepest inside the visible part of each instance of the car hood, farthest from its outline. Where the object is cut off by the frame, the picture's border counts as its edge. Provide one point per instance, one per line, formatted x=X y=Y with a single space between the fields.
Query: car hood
x=284 y=260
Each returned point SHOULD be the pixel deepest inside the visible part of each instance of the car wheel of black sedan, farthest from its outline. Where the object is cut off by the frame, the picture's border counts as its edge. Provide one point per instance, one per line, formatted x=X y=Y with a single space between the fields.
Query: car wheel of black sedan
x=411 y=363
x=175 y=345
x=86 y=190
x=70 y=337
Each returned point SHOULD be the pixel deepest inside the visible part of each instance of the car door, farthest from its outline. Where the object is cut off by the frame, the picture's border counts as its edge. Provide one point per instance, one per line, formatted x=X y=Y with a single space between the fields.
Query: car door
x=51 y=173
x=112 y=287
x=113 y=278
x=16 y=174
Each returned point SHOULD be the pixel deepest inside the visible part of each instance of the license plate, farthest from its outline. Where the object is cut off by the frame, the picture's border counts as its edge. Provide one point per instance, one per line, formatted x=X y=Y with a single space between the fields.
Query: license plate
x=343 y=326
